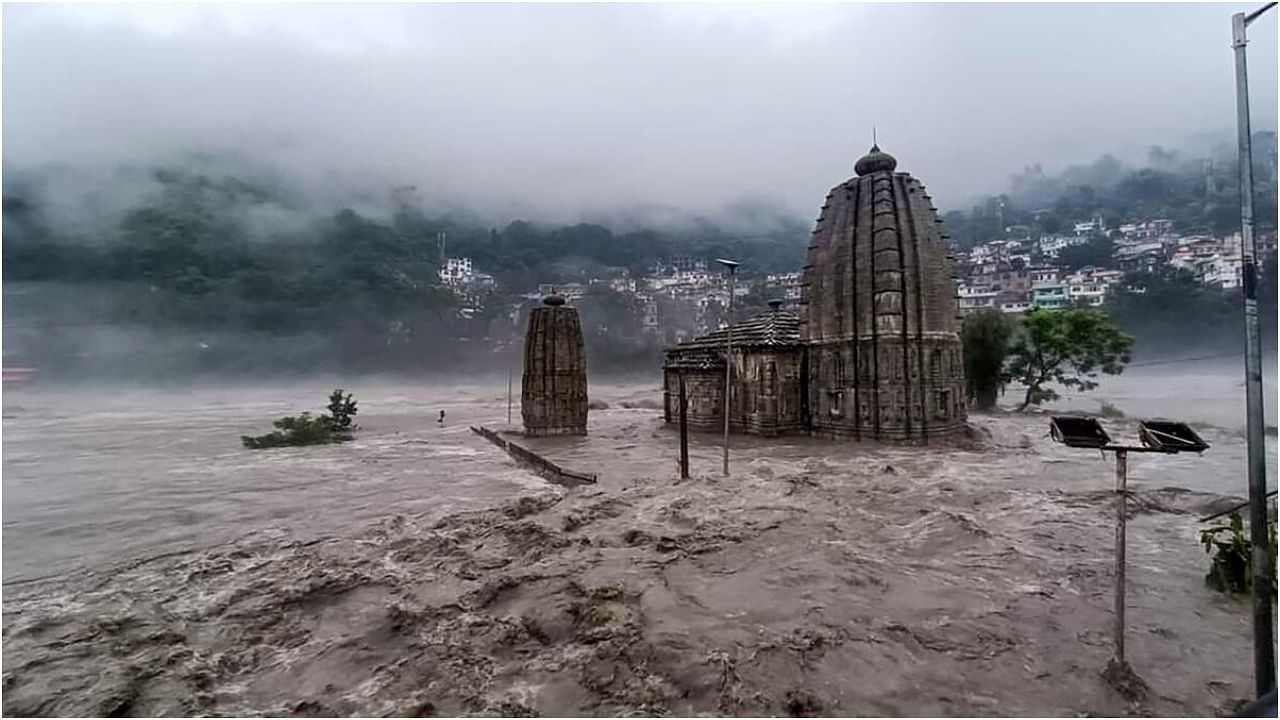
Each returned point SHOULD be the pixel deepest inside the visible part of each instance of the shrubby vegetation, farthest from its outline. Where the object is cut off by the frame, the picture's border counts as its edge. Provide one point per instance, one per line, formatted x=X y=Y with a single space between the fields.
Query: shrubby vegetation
x=1231 y=570
x=308 y=429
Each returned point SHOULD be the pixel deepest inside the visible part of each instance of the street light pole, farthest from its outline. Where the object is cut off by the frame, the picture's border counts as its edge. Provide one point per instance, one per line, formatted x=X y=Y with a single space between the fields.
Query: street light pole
x=1264 y=659
x=732 y=265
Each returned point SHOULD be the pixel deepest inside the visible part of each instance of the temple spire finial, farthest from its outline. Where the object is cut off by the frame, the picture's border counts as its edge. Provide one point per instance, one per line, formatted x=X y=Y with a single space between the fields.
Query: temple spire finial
x=874 y=143
x=876 y=160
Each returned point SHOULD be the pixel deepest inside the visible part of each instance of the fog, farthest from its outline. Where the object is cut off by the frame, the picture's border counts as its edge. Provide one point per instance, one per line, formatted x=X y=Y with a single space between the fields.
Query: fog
x=563 y=112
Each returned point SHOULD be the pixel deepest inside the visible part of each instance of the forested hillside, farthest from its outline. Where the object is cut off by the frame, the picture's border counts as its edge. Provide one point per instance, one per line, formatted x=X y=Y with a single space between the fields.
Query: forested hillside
x=1199 y=192
x=218 y=254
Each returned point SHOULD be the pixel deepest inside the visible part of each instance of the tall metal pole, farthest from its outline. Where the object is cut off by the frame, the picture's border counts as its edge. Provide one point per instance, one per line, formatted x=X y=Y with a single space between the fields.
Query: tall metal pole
x=728 y=365
x=1122 y=473
x=1264 y=659
x=684 y=431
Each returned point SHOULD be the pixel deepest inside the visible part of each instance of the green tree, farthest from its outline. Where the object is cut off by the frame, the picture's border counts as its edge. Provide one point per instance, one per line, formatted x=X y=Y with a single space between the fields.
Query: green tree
x=1066 y=347
x=986 y=344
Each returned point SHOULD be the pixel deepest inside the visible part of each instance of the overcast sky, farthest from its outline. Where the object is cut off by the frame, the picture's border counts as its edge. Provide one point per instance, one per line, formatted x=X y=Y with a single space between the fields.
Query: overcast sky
x=573 y=108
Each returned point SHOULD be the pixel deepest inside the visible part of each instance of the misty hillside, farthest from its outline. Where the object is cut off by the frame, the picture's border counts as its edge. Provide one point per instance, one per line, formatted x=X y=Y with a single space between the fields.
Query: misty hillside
x=251 y=272
x=218 y=264
x=1198 y=191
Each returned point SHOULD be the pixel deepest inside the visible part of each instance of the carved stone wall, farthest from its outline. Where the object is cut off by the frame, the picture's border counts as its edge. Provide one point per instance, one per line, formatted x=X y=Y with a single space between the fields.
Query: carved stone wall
x=704 y=391
x=903 y=405
x=553 y=393
x=879 y=312
x=766 y=397
x=874 y=352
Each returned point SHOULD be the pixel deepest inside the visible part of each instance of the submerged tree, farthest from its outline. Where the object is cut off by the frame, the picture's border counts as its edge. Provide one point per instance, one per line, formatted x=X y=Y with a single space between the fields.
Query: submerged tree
x=308 y=429
x=1066 y=347
x=341 y=409
x=985 y=335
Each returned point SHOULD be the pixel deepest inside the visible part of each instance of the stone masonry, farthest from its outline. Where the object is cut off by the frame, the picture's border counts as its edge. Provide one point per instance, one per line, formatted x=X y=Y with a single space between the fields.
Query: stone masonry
x=873 y=352
x=878 y=312
x=553 y=388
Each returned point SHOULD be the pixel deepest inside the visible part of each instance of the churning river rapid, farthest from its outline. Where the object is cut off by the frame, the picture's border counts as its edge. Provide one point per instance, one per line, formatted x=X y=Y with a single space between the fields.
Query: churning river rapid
x=152 y=565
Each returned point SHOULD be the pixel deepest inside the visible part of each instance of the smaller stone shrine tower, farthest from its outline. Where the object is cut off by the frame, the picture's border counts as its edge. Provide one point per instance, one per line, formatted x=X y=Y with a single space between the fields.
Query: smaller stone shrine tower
x=553 y=388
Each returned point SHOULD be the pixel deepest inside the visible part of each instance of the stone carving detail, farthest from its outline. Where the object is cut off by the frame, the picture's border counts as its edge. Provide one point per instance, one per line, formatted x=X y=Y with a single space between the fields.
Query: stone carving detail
x=553 y=388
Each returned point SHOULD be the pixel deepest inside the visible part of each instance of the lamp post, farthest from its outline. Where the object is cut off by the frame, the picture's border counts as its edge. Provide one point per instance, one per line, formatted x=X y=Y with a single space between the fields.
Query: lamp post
x=1264 y=658
x=1157 y=436
x=732 y=266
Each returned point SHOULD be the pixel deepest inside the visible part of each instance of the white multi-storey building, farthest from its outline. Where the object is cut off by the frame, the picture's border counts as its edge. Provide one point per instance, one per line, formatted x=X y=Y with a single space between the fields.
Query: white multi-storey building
x=456 y=270
x=1043 y=276
x=1051 y=245
x=976 y=297
x=1088 y=228
x=1092 y=294
x=789 y=284
x=1223 y=271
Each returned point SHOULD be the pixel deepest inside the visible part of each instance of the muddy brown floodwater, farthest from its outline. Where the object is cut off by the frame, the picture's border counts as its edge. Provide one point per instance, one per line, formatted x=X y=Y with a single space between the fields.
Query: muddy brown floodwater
x=152 y=566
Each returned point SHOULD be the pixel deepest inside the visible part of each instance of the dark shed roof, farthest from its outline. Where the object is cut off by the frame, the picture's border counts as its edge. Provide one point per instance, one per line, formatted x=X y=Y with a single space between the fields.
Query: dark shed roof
x=771 y=328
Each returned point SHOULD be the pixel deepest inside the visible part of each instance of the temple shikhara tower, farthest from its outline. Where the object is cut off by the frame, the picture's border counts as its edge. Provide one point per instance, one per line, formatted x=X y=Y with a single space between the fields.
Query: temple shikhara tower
x=873 y=351
x=878 y=311
x=553 y=388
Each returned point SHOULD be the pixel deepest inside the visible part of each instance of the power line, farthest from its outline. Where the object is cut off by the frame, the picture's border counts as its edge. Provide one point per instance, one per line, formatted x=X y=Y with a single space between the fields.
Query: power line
x=1186 y=360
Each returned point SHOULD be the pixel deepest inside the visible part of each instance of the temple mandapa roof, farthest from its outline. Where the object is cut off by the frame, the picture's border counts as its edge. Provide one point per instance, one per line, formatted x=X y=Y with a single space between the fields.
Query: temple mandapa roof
x=772 y=328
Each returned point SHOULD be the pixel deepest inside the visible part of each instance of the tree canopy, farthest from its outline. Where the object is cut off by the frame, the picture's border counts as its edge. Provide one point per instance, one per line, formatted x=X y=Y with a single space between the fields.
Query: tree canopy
x=985 y=335
x=1067 y=348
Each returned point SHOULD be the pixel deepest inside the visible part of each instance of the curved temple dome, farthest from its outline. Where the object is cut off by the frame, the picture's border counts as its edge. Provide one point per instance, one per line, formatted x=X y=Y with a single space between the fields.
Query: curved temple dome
x=878 y=311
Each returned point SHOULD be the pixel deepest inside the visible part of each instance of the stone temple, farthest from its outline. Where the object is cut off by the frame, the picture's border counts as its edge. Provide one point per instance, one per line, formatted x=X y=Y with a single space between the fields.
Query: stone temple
x=553 y=388
x=873 y=351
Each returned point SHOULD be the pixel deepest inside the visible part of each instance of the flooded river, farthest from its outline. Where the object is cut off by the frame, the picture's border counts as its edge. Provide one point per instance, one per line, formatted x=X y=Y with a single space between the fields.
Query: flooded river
x=95 y=476
x=152 y=565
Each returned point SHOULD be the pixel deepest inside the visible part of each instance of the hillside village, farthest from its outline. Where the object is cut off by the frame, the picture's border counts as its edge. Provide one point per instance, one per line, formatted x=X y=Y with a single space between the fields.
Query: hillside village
x=684 y=296
x=400 y=288
x=1017 y=275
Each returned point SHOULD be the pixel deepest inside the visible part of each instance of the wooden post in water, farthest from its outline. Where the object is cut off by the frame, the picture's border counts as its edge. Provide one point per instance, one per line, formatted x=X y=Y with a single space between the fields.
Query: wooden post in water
x=1122 y=472
x=684 y=431
x=509 y=395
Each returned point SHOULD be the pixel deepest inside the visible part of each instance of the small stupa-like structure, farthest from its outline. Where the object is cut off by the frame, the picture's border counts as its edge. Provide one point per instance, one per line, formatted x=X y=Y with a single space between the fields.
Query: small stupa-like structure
x=553 y=388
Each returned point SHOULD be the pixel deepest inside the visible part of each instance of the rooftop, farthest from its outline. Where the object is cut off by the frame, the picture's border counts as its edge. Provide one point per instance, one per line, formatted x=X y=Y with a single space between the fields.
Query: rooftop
x=774 y=327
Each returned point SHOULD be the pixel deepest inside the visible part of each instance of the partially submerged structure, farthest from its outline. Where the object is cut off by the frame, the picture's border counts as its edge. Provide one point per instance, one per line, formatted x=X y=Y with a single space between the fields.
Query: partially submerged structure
x=873 y=351
x=768 y=359
x=553 y=389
